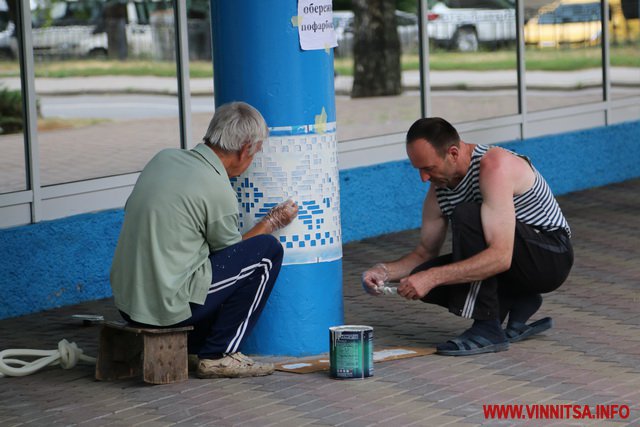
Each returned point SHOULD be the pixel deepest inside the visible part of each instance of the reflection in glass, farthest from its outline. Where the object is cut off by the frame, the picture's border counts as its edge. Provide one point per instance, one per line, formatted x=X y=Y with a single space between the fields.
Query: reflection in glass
x=376 y=115
x=624 y=48
x=473 y=60
x=105 y=81
x=564 y=53
x=200 y=68
x=12 y=152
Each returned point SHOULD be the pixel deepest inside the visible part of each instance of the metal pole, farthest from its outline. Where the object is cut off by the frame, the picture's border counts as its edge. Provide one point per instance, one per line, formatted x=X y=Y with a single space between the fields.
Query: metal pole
x=606 y=66
x=182 y=65
x=27 y=75
x=522 y=82
x=425 y=93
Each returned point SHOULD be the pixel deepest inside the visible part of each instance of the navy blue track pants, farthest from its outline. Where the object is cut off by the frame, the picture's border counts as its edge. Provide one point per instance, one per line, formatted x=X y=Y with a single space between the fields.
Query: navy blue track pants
x=243 y=277
x=541 y=263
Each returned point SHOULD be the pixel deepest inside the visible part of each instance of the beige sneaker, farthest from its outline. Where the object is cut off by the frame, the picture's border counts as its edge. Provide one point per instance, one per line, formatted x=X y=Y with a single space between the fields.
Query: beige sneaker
x=234 y=365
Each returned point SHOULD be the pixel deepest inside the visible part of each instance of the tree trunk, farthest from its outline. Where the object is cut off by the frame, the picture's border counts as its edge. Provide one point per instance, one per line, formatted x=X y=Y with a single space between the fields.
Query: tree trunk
x=12 y=11
x=376 y=50
x=115 y=17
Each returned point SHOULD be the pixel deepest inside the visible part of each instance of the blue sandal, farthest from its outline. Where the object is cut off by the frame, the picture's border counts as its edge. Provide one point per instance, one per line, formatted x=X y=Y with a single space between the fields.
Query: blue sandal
x=518 y=331
x=473 y=344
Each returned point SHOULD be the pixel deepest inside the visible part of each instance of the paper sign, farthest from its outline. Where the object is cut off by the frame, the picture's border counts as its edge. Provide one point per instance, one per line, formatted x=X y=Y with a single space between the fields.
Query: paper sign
x=315 y=25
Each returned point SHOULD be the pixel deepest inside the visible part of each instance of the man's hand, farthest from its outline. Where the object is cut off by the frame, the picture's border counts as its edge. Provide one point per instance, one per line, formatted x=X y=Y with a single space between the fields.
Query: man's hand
x=281 y=215
x=374 y=278
x=416 y=286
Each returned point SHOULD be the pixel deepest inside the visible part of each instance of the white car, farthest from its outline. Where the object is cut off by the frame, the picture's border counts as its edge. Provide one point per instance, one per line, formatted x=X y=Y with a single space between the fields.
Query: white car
x=76 y=28
x=466 y=24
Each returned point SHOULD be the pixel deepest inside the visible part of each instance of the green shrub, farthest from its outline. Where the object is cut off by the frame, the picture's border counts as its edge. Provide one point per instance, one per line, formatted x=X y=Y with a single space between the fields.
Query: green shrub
x=10 y=111
x=11 y=119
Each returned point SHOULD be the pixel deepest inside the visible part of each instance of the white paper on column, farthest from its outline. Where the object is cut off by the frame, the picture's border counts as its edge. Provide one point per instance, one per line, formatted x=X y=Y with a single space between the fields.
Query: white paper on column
x=315 y=25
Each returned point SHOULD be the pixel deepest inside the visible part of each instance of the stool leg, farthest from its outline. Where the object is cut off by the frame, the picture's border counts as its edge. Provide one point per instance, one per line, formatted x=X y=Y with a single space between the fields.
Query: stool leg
x=165 y=358
x=119 y=354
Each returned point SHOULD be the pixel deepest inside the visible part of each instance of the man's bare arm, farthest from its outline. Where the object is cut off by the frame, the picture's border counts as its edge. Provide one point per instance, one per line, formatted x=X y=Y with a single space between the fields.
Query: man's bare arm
x=259 y=228
x=278 y=217
x=432 y=235
x=498 y=174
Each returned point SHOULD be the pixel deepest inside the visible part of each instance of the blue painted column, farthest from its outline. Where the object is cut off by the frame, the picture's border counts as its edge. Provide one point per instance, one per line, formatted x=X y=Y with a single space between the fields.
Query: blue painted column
x=257 y=59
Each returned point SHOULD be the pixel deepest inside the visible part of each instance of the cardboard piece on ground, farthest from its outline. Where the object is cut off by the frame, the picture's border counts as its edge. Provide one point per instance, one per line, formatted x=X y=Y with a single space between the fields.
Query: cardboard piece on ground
x=322 y=364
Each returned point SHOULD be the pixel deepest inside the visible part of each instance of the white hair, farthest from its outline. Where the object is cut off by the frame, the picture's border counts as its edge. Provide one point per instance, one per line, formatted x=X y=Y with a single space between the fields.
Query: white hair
x=234 y=125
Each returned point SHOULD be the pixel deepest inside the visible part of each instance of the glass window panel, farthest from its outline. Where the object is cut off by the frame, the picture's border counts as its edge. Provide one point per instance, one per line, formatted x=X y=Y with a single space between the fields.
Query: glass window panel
x=473 y=59
x=106 y=86
x=200 y=67
x=12 y=148
x=563 y=53
x=624 y=48
x=376 y=115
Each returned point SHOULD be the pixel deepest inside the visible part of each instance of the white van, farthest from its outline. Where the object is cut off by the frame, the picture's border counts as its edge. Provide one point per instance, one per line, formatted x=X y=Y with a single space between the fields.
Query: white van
x=464 y=25
x=85 y=28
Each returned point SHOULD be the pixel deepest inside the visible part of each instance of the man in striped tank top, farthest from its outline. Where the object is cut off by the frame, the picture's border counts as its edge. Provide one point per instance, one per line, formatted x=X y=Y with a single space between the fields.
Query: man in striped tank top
x=510 y=240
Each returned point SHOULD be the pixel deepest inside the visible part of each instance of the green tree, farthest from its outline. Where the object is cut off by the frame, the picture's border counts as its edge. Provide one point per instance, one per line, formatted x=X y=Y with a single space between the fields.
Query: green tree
x=341 y=4
x=408 y=5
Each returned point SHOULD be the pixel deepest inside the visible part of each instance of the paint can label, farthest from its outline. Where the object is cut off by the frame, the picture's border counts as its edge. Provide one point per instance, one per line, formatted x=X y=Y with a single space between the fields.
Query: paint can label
x=351 y=351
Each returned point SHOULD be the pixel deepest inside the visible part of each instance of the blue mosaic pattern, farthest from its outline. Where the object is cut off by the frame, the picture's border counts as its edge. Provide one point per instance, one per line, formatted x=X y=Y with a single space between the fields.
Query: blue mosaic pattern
x=303 y=167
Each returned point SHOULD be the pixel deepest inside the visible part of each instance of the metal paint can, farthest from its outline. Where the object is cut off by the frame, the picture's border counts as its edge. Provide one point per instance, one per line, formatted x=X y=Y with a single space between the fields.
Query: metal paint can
x=351 y=351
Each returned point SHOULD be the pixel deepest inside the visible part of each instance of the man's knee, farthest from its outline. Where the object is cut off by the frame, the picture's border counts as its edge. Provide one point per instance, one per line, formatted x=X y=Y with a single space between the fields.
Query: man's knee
x=271 y=247
x=466 y=213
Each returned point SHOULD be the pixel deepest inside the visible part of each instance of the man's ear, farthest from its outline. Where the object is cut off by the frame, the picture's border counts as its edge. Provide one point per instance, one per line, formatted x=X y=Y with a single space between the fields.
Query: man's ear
x=244 y=152
x=454 y=151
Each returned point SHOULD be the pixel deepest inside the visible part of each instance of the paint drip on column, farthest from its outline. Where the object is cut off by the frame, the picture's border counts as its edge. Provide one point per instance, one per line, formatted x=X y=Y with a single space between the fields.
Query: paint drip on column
x=351 y=351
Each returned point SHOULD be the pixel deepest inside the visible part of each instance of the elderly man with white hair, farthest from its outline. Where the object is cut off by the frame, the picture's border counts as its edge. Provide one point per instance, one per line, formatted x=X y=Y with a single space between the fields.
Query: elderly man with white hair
x=180 y=258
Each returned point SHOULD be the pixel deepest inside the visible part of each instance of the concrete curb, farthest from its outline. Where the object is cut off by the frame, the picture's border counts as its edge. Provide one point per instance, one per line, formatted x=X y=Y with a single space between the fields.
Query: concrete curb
x=622 y=77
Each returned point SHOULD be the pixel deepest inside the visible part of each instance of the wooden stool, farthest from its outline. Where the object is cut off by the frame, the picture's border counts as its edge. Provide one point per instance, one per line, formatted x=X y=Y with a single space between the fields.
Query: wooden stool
x=125 y=351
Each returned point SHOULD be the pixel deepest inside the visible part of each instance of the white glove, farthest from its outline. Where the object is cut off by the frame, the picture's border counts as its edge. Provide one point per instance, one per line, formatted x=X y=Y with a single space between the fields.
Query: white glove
x=373 y=279
x=280 y=216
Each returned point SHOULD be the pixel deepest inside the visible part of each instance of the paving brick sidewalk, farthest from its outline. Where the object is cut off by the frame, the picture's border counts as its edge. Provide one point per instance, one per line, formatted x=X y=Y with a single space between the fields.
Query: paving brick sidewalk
x=592 y=356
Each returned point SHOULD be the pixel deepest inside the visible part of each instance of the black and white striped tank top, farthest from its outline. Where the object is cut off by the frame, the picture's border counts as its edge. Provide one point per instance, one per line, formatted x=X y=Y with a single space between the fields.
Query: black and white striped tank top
x=536 y=207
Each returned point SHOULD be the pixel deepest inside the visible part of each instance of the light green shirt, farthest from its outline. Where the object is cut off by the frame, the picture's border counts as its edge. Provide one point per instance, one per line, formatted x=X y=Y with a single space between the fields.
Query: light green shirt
x=182 y=208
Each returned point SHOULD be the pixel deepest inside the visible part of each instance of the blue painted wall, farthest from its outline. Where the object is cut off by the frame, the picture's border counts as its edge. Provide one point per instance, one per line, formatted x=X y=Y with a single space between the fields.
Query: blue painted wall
x=56 y=263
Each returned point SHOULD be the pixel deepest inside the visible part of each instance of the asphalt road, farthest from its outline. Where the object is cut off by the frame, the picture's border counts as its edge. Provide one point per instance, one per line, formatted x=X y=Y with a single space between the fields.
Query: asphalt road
x=118 y=106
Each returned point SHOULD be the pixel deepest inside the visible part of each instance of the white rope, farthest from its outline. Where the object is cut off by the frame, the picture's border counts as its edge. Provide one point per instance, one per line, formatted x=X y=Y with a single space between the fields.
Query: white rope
x=67 y=356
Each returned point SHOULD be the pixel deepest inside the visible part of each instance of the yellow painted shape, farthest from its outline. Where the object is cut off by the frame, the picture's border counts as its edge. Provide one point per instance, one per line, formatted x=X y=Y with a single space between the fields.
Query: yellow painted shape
x=321 y=122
